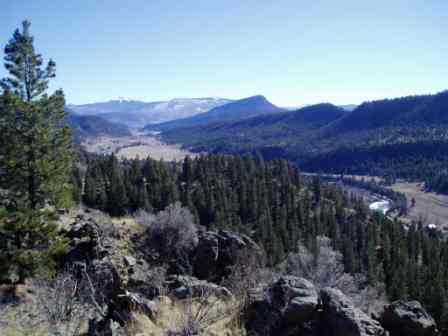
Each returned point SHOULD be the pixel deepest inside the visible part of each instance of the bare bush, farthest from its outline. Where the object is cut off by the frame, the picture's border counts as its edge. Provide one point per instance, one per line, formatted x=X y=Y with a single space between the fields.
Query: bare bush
x=63 y=303
x=67 y=302
x=144 y=219
x=247 y=275
x=201 y=313
x=247 y=280
x=325 y=268
x=170 y=230
x=157 y=279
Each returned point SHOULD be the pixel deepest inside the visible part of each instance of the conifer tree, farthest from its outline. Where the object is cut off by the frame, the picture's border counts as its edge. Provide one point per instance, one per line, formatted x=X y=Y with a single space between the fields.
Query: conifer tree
x=35 y=154
x=35 y=140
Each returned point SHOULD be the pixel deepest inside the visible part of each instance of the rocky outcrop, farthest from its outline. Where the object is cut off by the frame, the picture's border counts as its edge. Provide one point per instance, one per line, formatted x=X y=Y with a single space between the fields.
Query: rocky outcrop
x=408 y=318
x=217 y=252
x=85 y=241
x=290 y=305
x=341 y=318
x=95 y=258
x=144 y=279
x=124 y=281
x=106 y=280
x=182 y=286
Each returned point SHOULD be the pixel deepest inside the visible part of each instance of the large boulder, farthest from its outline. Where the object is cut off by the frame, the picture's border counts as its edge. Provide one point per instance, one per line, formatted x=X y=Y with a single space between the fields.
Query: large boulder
x=289 y=306
x=408 y=318
x=341 y=318
x=217 y=252
x=206 y=255
x=296 y=297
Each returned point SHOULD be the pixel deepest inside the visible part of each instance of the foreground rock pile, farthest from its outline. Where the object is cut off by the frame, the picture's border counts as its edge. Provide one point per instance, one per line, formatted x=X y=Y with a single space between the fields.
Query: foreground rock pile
x=292 y=306
x=126 y=281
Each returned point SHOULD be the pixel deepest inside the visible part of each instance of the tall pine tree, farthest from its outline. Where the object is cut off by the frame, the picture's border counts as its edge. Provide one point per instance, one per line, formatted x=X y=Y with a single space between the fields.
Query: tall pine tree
x=35 y=151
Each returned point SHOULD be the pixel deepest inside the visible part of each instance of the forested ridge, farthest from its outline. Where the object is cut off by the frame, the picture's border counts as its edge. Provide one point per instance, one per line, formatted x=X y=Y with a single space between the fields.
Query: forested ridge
x=399 y=138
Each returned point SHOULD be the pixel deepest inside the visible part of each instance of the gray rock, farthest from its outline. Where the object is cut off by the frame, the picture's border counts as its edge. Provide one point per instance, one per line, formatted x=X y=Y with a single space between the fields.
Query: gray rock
x=83 y=228
x=131 y=302
x=408 y=318
x=129 y=261
x=341 y=318
x=141 y=279
x=289 y=306
x=296 y=297
x=217 y=252
x=206 y=255
x=182 y=286
x=84 y=244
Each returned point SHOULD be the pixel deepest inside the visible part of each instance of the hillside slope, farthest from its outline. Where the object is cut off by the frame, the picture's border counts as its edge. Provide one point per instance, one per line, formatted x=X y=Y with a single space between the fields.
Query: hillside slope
x=94 y=126
x=267 y=130
x=424 y=110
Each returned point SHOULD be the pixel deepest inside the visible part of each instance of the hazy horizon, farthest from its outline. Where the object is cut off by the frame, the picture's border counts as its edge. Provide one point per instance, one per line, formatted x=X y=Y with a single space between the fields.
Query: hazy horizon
x=294 y=53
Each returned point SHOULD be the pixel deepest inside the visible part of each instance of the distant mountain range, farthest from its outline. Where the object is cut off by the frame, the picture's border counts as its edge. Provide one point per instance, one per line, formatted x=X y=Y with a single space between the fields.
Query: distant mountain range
x=179 y=112
x=405 y=137
x=138 y=114
x=232 y=111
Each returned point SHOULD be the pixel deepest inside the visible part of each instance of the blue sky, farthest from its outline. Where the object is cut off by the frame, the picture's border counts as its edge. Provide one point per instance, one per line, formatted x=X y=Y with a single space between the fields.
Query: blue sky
x=294 y=52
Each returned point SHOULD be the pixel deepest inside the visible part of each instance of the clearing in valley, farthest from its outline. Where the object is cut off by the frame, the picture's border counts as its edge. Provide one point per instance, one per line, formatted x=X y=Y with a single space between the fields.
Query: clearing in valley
x=430 y=207
x=138 y=145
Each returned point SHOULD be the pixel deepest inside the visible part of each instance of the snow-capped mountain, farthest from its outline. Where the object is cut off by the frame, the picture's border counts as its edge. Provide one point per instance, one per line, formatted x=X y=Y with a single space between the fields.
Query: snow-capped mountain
x=134 y=113
x=235 y=110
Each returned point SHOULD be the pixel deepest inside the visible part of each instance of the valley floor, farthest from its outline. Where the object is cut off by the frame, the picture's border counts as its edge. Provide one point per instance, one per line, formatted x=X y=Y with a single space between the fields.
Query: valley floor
x=137 y=145
x=430 y=207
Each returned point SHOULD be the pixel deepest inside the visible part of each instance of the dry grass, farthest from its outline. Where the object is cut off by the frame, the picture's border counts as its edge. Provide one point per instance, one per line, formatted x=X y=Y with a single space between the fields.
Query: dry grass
x=172 y=316
x=431 y=208
x=134 y=146
x=25 y=318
